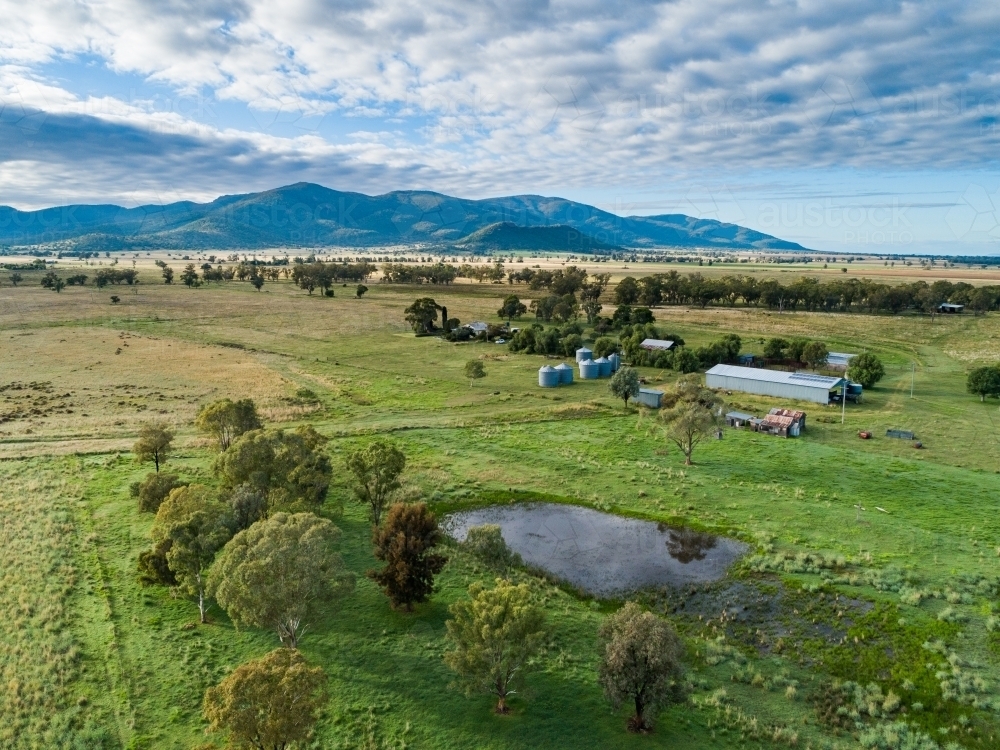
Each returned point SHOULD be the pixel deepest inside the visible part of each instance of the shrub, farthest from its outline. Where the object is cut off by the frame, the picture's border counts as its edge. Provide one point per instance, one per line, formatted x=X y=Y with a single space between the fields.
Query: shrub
x=487 y=544
x=154 y=489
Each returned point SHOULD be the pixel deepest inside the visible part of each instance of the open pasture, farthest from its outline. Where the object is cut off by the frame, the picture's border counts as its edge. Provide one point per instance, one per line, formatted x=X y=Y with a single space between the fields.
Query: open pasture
x=902 y=593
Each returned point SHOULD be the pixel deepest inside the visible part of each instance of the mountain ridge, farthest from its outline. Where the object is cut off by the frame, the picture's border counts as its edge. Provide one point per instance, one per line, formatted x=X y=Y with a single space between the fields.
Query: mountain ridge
x=309 y=215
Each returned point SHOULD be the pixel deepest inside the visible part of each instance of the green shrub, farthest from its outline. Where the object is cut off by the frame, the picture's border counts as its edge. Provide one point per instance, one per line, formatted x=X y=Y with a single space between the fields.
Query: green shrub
x=487 y=544
x=154 y=489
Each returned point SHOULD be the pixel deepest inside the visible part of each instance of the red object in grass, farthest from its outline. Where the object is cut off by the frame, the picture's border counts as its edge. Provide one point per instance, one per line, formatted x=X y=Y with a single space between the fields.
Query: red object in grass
x=865 y=435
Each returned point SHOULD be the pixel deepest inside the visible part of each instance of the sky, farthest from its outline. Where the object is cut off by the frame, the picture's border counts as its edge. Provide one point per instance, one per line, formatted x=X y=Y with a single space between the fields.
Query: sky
x=860 y=126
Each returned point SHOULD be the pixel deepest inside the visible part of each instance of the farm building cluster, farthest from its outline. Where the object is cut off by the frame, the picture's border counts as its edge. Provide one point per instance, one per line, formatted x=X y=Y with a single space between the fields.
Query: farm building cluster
x=802 y=386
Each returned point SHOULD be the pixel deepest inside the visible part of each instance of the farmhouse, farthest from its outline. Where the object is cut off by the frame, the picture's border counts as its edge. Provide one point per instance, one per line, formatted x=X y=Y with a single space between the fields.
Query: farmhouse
x=656 y=345
x=803 y=386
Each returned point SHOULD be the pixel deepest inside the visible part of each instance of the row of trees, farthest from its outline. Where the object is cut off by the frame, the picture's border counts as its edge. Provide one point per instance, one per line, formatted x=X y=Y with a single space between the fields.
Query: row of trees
x=842 y=295
x=320 y=275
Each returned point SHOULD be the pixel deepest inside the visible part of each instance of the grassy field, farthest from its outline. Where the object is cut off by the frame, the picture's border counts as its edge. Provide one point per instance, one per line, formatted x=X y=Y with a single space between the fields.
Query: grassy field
x=901 y=597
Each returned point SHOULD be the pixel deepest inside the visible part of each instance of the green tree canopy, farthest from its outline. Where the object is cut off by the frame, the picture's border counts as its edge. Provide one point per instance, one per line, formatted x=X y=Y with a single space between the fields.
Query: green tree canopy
x=984 y=381
x=494 y=633
x=268 y=703
x=290 y=467
x=815 y=354
x=153 y=444
x=226 y=420
x=193 y=547
x=775 y=348
x=422 y=314
x=640 y=663
x=153 y=490
x=624 y=384
x=474 y=370
x=512 y=307
x=486 y=543
x=692 y=415
x=376 y=469
x=866 y=369
x=405 y=543
x=276 y=573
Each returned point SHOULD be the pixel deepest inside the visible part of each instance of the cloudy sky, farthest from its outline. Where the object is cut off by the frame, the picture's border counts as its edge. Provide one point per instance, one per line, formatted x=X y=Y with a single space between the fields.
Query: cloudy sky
x=862 y=125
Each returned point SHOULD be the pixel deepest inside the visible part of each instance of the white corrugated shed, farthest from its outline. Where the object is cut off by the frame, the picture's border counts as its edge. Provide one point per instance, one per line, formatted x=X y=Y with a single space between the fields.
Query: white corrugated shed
x=656 y=344
x=839 y=359
x=804 y=386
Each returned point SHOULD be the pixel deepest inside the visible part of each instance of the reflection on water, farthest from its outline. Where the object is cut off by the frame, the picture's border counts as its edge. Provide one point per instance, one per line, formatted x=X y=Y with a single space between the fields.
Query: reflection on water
x=687 y=545
x=604 y=554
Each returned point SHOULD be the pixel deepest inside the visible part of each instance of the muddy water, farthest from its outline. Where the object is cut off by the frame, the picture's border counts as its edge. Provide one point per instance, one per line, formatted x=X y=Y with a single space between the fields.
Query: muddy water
x=603 y=554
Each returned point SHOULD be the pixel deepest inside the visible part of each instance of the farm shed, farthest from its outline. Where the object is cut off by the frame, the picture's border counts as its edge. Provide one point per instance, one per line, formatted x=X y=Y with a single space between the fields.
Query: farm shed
x=649 y=397
x=657 y=345
x=738 y=419
x=799 y=417
x=949 y=309
x=804 y=386
x=839 y=360
x=774 y=424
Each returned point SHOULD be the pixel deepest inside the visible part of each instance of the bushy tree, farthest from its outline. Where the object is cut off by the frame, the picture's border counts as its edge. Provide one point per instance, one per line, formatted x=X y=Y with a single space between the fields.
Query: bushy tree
x=194 y=544
x=153 y=490
x=984 y=381
x=487 y=544
x=226 y=420
x=866 y=369
x=641 y=663
x=190 y=276
x=815 y=354
x=269 y=703
x=685 y=361
x=249 y=505
x=474 y=370
x=276 y=573
x=422 y=314
x=405 y=543
x=16 y=278
x=775 y=348
x=693 y=415
x=494 y=633
x=154 y=444
x=376 y=468
x=605 y=346
x=624 y=384
x=627 y=291
x=168 y=274
x=359 y=292
x=512 y=307
x=290 y=467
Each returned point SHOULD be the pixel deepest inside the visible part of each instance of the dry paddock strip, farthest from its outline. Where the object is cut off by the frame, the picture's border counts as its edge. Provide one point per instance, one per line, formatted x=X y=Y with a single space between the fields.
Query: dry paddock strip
x=38 y=655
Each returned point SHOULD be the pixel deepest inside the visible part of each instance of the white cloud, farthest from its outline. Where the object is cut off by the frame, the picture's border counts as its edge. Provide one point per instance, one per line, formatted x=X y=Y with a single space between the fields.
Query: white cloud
x=494 y=96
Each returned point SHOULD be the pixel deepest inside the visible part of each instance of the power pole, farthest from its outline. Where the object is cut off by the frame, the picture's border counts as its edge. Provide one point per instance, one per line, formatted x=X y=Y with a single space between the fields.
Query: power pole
x=913 y=369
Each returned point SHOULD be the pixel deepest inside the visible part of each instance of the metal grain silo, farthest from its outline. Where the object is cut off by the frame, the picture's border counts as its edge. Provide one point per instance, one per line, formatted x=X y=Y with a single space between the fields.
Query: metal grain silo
x=604 y=365
x=565 y=373
x=589 y=370
x=616 y=361
x=548 y=377
x=584 y=354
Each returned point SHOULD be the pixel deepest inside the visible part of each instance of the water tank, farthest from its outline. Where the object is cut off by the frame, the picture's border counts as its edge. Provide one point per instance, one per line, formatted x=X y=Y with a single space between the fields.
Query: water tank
x=589 y=370
x=548 y=377
x=604 y=366
x=616 y=361
x=565 y=373
x=584 y=354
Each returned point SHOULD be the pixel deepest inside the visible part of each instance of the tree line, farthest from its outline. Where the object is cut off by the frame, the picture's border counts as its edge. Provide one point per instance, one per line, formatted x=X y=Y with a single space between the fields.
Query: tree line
x=841 y=295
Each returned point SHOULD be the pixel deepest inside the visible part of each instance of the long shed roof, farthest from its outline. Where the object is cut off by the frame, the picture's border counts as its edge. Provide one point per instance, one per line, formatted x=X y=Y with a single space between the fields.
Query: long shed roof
x=656 y=344
x=804 y=379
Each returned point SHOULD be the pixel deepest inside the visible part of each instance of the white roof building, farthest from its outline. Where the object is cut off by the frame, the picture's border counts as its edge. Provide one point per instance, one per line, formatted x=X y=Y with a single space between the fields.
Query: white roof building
x=804 y=386
x=656 y=344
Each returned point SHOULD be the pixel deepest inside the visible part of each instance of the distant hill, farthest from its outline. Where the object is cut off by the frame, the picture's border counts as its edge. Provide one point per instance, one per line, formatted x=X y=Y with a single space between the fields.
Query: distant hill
x=506 y=235
x=308 y=215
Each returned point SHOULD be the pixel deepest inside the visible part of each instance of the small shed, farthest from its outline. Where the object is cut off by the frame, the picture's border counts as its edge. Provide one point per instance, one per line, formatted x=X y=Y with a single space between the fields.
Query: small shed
x=949 y=309
x=605 y=366
x=565 y=373
x=548 y=377
x=739 y=419
x=584 y=354
x=774 y=424
x=657 y=345
x=648 y=397
x=589 y=370
x=839 y=360
x=797 y=417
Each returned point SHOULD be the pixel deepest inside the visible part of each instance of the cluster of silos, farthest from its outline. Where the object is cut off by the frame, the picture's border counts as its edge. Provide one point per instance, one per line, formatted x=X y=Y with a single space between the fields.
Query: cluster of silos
x=550 y=377
x=602 y=367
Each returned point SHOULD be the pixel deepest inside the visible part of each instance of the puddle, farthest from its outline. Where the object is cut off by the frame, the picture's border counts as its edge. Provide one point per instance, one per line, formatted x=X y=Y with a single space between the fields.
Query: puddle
x=601 y=553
